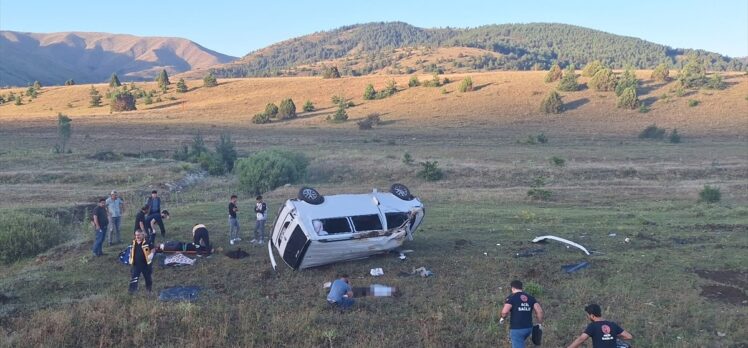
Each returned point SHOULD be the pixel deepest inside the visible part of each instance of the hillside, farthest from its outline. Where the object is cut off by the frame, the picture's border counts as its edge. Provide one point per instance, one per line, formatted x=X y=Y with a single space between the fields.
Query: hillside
x=92 y=57
x=385 y=47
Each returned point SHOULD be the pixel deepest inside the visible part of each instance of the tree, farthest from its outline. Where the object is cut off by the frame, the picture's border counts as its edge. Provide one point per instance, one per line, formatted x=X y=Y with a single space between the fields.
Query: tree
x=308 y=106
x=271 y=110
x=628 y=99
x=122 y=101
x=114 y=81
x=413 y=82
x=181 y=86
x=340 y=114
x=330 y=73
x=693 y=73
x=37 y=85
x=569 y=81
x=225 y=150
x=592 y=68
x=70 y=82
x=604 y=80
x=625 y=81
x=552 y=103
x=163 y=79
x=661 y=72
x=64 y=131
x=369 y=92
x=198 y=145
x=466 y=85
x=95 y=100
x=268 y=169
x=210 y=80
x=554 y=73
x=287 y=109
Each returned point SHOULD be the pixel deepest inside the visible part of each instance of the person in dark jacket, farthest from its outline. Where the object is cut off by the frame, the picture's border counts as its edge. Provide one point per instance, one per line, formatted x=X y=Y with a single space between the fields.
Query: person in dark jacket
x=154 y=208
x=521 y=306
x=261 y=212
x=201 y=238
x=141 y=256
x=100 y=221
x=140 y=219
x=151 y=221
x=604 y=333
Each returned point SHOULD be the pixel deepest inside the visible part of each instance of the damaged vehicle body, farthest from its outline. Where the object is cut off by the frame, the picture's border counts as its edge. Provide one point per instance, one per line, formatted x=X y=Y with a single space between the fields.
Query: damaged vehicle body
x=315 y=230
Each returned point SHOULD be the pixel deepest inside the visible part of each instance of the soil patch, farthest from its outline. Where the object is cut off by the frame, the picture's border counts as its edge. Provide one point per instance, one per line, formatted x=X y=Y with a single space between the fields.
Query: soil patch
x=734 y=278
x=461 y=243
x=237 y=254
x=727 y=294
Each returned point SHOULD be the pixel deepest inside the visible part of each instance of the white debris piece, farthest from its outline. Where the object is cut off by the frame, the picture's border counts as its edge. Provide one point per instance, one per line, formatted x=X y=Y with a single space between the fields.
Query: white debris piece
x=559 y=239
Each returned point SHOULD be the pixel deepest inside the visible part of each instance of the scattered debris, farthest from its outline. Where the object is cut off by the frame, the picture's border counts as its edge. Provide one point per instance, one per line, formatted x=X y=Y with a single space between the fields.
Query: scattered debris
x=721 y=334
x=178 y=259
x=179 y=293
x=575 y=267
x=326 y=285
x=237 y=254
x=565 y=241
x=376 y=272
x=612 y=234
x=627 y=240
x=423 y=272
x=402 y=257
x=529 y=253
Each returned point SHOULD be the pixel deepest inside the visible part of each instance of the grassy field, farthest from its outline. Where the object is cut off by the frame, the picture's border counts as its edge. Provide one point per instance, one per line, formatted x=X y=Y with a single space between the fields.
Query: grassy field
x=680 y=282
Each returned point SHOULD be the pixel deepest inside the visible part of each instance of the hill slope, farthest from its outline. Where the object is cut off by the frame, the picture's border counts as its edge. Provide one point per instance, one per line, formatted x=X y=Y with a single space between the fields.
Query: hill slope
x=93 y=57
x=372 y=47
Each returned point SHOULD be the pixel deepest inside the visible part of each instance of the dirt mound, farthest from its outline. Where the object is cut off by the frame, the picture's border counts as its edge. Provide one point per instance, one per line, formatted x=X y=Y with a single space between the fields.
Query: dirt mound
x=727 y=294
x=734 y=278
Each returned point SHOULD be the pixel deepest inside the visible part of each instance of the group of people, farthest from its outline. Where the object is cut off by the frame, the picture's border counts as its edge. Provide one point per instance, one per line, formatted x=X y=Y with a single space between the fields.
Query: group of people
x=261 y=217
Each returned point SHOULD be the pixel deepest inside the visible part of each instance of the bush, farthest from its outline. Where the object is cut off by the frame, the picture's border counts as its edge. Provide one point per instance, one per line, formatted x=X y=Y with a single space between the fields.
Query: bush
x=603 y=81
x=226 y=152
x=466 y=85
x=147 y=100
x=710 y=194
x=340 y=114
x=308 y=106
x=569 y=81
x=271 y=110
x=554 y=74
x=626 y=80
x=331 y=73
x=693 y=102
x=661 y=73
x=337 y=99
x=95 y=100
x=643 y=108
x=715 y=82
x=407 y=158
x=652 y=132
x=541 y=138
x=163 y=79
x=369 y=92
x=534 y=289
x=70 y=82
x=287 y=109
x=537 y=192
x=389 y=89
x=693 y=73
x=434 y=82
x=122 y=101
x=371 y=120
x=114 y=81
x=269 y=169
x=552 y=103
x=674 y=136
x=261 y=118
x=430 y=171
x=628 y=99
x=413 y=82
x=558 y=161
x=210 y=80
x=23 y=235
x=181 y=86
x=592 y=68
x=211 y=162
x=64 y=131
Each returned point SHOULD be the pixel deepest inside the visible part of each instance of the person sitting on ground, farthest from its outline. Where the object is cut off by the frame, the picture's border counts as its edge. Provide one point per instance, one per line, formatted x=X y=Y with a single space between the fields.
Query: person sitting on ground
x=603 y=332
x=341 y=293
x=141 y=255
x=201 y=238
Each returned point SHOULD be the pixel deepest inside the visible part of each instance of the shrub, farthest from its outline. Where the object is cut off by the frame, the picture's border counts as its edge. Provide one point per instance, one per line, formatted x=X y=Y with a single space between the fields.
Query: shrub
x=269 y=169
x=603 y=81
x=114 y=81
x=308 y=106
x=413 y=82
x=626 y=80
x=554 y=73
x=181 y=86
x=434 y=82
x=287 y=109
x=652 y=132
x=643 y=108
x=122 y=101
x=443 y=90
x=226 y=152
x=569 y=81
x=715 y=82
x=534 y=289
x=64 y=131
x=552 y=103
x=70 y=82
x=23 y=235
x=674 y=136
x=95 y=100
x=430 y=171
x=369 y=92
x=710 y=194
x=211 y=162
x=407 y=158
x=371 y=120
x=147 y=100
x=271 y=110
x=592 y=68
x=389 y=89
x=628 y=99
x=541 y=138
x=693 y=73
x=337 y=99
x=558 y=161
x=466 y=85
x=693 y=102
x=210 y=80
x=330 y=73
x=661 y=73
x=19 y=100
x=537 y=192
x=261 y=118
x=340 y=114
x=163 y=79
x=445 y=81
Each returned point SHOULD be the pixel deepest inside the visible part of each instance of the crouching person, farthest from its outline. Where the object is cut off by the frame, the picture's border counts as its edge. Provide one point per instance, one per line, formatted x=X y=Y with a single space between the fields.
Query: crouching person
x=141 y=256
x=341 y=293
x=201 y=239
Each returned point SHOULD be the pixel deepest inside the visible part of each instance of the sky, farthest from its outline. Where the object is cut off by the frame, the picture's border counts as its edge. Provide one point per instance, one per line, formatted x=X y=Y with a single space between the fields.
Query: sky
x=239 y=27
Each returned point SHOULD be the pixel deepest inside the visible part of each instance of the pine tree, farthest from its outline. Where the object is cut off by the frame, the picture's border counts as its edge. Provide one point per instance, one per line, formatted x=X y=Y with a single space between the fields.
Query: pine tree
x=625 y=81
x=37 y=85
x=661 y=73
x=181 y=86
x=114 y=81
x=628 y=99
x=603 y=81
x=210 y=80
x=693 y=73
x=308 y=106
x=64 y=131
x=287 y=109
x=569 y=81
x=70 y=82
x=95 y=98
x=369 y=92
x=163 y=79
x=592 y=68
x=552 y=103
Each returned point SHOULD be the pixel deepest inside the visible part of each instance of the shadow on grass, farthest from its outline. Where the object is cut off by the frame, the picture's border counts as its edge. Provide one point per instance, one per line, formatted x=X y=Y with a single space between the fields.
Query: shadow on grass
x=573 y=105
x=166 y=105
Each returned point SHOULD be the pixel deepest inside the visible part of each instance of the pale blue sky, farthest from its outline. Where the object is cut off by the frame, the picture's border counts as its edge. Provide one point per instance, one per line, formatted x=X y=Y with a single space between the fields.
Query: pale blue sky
x=236 y=28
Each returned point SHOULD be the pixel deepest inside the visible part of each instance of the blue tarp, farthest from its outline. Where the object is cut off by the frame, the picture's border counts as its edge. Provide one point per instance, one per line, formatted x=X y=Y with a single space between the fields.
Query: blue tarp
x=179 y=293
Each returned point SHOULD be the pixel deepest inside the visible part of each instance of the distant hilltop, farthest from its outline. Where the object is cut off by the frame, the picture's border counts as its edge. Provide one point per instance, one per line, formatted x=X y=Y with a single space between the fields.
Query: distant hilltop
x=55 y=58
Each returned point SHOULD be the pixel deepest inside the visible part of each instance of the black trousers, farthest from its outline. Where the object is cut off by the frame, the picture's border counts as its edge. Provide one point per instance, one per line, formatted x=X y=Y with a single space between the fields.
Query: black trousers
x=135 y=273
x=202 y=238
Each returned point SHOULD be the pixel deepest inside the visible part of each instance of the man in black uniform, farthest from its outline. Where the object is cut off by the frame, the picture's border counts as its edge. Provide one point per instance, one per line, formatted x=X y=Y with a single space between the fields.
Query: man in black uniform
x=201 y=238
x=521 y=305
x=141 y=256
x=140 y=219
x=603 y=332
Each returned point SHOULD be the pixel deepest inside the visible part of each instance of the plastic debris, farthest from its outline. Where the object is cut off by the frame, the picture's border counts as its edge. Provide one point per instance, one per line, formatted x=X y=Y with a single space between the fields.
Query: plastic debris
x=376 y=272
x=575 y=267
x=423 y=272
x=559 y=239
x=529 y=253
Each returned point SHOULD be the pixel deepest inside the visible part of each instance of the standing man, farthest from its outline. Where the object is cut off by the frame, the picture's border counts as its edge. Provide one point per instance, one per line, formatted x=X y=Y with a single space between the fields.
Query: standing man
x=341 y=293
x=521 y=305
x=233 y=221
x=154 y=208
x=261 y=211
x=603 y=332
x=140 y=219
x=141 y=255
x=100 y=219
x=150 y=224
x=116 y=207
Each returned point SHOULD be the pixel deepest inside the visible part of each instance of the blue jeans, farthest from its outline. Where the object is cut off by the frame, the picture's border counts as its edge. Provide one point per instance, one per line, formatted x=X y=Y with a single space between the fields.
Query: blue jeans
x=260 y=230
x=233 y=228
x=99 y=241
x=115 y=230
x=344 y=303
x=519 y=336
